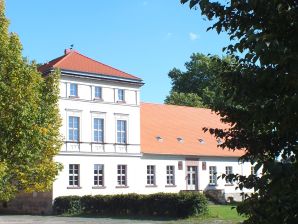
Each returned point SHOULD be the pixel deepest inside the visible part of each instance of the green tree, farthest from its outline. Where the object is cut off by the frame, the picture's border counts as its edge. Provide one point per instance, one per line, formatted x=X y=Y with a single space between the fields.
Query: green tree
x=263 y=100
x=29 y=120
x=201 y=79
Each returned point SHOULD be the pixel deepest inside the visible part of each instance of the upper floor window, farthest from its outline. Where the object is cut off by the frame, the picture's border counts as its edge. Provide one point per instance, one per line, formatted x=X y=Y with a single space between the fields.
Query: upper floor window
x=98 y=92
x=150 y=175
x=98 y=130
x=229 y=170
x=73 y=89
x=121 y=132
x=98 y=175
x=73 y=128
x=212 y=175
x=252 y=170
x=121 y=175
x=74 y=175
x=170 y=175
x=121 y=95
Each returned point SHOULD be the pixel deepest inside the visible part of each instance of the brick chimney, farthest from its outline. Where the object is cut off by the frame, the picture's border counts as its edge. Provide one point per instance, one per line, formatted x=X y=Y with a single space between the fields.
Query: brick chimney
x=67 y=51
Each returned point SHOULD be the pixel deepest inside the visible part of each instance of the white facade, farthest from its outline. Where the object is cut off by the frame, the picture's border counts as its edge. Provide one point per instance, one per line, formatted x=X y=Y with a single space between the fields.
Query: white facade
x=98 y=159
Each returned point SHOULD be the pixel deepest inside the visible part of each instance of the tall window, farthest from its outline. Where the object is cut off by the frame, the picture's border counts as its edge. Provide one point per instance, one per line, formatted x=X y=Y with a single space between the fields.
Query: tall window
x=150 y=175
x=121 y=95
x=121 y=175
x=74 y=175
x=73 y=128
x=212 y=175
x=252 y=170
x=229 y=170
x=121 y=132
x=98 y=129
x=73 y=89
x=170 y=175
x=98 y=175
x=98 y=92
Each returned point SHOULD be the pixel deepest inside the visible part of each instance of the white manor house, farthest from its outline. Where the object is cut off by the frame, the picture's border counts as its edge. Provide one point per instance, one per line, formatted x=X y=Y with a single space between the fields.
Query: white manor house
x=115 y=144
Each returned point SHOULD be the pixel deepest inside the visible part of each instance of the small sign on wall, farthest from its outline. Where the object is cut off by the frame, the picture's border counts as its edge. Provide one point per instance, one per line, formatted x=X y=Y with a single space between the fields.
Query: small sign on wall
x=203 y=165
x=180 y=165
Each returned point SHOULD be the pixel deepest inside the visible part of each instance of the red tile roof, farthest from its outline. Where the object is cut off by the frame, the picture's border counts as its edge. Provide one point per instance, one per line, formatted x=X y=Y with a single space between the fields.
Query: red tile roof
x=171 y=122
x=74 y=61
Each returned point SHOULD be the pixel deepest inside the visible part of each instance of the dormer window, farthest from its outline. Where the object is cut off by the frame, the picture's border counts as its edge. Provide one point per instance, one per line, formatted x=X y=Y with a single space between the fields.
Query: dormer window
x=98 y=92
x=201 y=141
x=219 y=141
x=159 y=138
x=180 y=139
x=121 y=95
x=73 y=90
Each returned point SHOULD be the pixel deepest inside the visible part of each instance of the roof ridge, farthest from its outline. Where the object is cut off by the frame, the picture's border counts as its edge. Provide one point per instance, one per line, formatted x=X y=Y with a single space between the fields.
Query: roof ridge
x=173 y=105
x=105 y=64
x=63 y=58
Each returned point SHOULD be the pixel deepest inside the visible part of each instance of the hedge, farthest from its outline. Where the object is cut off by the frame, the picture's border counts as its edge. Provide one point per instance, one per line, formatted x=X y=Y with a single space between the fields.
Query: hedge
x=179 y=205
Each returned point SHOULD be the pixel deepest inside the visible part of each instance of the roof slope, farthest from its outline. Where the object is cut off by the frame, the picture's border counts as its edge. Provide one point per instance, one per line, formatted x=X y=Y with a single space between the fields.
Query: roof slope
x=171 y=122
x=74 y=61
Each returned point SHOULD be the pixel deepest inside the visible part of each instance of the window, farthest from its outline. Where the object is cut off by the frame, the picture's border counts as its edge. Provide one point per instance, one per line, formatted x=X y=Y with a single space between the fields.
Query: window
x=121 y=96
x=121 y=132
x=99 y=175
x=121 y=175
x=170 y=175
x=74 y=175
x=98 y=92
x=252 y=170
x=212 y=175
x=229 y=170
x=98 y=130
x=73 y=89
x=73 y=128
x=150 y=175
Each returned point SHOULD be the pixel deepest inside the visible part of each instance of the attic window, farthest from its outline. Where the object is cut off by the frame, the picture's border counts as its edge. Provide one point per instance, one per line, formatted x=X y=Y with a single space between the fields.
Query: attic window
x=159 y=139
x=180 y=139
x=201 y=141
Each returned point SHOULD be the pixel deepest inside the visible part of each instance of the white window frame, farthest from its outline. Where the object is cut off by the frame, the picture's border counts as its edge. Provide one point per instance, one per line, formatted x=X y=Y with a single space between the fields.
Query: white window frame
x=212 y=175
x=252 y=170
x=122 y=139
x=151 y=175
x=73 y=129
x=76 y=90
x=121 y=97
x=102 y=130
x=97 y=176
x=229 y=170
x=170 y=175
x=121 y=175
x=74 y=176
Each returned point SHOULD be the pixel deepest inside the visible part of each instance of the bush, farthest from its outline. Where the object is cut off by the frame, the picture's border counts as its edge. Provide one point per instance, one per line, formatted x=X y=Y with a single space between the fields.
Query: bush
x=179 y=205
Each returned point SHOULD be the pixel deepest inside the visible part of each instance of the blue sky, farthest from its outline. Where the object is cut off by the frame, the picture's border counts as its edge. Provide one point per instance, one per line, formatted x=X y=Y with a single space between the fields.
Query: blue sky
x=144 y=38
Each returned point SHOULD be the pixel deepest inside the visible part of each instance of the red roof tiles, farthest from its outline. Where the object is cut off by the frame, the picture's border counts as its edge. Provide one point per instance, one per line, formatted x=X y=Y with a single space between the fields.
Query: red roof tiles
x=171 y=122
x=74 y=61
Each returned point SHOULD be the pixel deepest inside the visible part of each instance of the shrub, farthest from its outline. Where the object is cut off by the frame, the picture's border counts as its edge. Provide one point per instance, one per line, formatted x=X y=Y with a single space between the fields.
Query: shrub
x=179 y=205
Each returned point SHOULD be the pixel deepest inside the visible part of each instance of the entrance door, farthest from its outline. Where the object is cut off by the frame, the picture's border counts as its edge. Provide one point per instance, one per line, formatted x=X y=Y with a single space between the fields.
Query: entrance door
x=191 y=178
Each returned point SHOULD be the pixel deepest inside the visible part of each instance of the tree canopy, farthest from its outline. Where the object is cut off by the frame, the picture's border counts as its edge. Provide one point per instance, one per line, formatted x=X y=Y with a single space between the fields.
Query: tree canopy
x=200 y=84
x=263 y=100
x=29 y=120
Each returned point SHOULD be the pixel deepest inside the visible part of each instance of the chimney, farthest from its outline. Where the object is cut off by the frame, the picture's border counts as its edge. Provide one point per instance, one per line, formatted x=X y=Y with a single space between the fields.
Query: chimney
x=67 y=51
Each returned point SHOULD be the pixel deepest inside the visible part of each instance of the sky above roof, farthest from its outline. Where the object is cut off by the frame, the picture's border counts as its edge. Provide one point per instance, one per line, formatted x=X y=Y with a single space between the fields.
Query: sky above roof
x=144 y=38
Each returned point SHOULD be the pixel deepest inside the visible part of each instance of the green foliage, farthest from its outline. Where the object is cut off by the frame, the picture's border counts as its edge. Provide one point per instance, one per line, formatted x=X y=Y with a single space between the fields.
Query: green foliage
x=160 y=204
x=200 y=84
x=262 y=100
x=29 y=120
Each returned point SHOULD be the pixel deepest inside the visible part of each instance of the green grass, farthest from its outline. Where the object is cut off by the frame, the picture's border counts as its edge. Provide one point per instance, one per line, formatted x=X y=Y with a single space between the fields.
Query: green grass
x=223 y=213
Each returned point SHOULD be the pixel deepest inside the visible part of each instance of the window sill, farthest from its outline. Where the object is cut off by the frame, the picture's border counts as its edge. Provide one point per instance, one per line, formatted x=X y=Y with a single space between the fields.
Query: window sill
x=212 y=185
x=99 y=187
x=98 y=99
x=229 y=184
x=74 y=97
x=153 y=185
x=121 y=101
x=171 y=185
x=122 y=186
x=78 y=187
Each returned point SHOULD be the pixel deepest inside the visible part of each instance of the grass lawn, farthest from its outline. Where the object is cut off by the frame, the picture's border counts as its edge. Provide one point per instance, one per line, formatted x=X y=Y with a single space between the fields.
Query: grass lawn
x=223 y=213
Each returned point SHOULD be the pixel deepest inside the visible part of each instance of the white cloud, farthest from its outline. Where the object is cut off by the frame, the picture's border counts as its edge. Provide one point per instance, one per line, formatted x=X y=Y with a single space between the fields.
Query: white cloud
x=193 y=36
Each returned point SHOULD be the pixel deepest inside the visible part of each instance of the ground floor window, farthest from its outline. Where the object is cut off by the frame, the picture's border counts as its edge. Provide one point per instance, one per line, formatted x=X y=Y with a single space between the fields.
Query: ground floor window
x=74 y=175
x=122 y=175
x=150 y=175
x=170 y=175
x=98 y=175
x=212 y=175
x=229 y=170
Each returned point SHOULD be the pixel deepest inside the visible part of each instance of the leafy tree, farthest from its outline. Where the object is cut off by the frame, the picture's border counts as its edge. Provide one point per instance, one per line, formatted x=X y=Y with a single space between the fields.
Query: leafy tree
x=29 y=120
x=201 y=79
x=263 y=100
